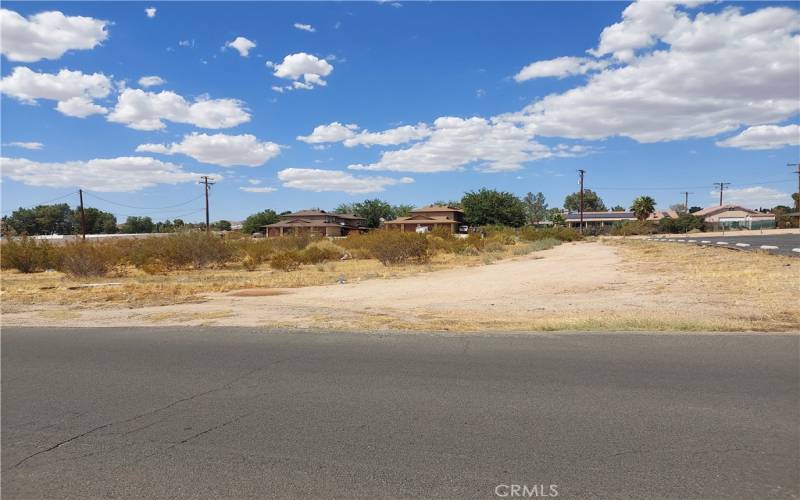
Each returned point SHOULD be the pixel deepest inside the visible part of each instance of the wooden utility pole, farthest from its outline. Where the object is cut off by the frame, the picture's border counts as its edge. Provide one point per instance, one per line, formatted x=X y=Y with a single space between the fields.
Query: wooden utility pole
x=686 y=200
x=582 y=172
x=207 y=183
x=83 y=215
x=721 y=186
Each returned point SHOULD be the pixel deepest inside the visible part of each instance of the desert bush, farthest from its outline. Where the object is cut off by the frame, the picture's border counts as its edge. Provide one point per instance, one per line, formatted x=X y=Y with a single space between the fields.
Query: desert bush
x=632 y=228
x=286 y=261
x=27 y=255
x=321 y=251
x=392 y=247
x=254 y=252
x=85 y=260
x=189 y=249
x=470 y=250
x=502 y=234
x=558 y=233
x=536 y=246
x=494 y=246
x=290 y=243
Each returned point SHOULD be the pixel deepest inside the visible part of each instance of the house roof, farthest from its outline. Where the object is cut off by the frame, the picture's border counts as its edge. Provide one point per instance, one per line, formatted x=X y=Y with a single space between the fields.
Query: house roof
x=437 y=208
x=660 y=214
x=305 y=223
x=721 y=208
x=423 y=219
x=742 y=213
x=576 y=216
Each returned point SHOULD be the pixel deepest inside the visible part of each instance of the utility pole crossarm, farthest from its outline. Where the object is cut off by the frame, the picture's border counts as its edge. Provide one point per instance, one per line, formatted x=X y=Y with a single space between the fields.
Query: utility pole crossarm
x=721 y=186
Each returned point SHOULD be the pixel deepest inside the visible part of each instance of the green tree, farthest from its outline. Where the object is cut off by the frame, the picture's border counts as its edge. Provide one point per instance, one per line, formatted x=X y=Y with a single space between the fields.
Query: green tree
x=678 y=208
x=42 y=219
x=137 y=225
x=402 y=210
x=617 y=208
x=344 y=208
x=255 y=222
x=558 y=219
x=591 y=202
x=694 y=209
x=450 y=204
x=489 y=207
x=683 y=224
x=373 y=211
x=643 y=206
x=97 y=221
x=535 y=207
x=222 y=225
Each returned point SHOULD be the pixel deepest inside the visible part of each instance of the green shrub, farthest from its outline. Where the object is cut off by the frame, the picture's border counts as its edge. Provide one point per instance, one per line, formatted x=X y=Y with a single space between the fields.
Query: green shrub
x=180 y=250
x=27 y=255
x=632 y=228
x=286 y=261
x=392 y=247
x=321 y=251
x=558 y=233
x=83 y=260
x=254 y=252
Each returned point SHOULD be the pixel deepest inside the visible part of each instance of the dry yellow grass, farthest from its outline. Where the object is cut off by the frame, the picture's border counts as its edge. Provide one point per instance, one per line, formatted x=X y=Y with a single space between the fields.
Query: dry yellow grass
x=138 y=289
x=758 y=290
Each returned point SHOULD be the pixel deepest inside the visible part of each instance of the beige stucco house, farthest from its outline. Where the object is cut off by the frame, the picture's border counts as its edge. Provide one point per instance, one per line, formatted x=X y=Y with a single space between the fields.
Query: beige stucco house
x=429 y=218
x=736 y=216
x=316 y=222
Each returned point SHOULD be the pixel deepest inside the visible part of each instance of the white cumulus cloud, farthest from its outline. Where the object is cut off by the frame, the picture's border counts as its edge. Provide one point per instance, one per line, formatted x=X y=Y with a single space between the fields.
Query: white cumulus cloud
x=317 y=180
x=258 y=189
x=456 y=143
x=219 y=149
x=151 y=81
x=143 y=110
x=150 y=12
x=305 y=27
x=47 y=35
x=123 y=174
x=764 y=137
x=754 y=197
x=242 y=45
x=559 y=67
x=714 y=73
x=74 y=91
x=350 y=135
x=305 y=70
x=24 y=145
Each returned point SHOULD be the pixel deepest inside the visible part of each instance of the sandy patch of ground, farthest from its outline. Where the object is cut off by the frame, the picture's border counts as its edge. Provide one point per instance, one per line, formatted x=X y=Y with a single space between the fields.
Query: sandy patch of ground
x=589 y=286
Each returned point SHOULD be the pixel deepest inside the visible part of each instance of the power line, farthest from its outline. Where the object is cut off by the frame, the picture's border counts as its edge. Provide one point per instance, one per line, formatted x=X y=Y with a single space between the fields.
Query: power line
x=143 y=208
x=659 y=188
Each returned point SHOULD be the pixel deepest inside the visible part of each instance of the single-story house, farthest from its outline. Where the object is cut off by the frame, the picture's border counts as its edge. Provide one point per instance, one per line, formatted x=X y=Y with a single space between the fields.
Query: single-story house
x=429 y=218
x=316 y=222
x=660 y=214
x=736 y=216
x=597 y=219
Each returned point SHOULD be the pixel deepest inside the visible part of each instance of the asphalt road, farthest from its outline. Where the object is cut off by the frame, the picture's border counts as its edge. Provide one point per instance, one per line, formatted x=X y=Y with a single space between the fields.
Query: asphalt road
x=241 y=413
x=784 y=244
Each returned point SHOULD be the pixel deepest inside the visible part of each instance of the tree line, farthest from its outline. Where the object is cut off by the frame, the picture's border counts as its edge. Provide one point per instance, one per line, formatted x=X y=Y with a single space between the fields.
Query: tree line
x=481 y=208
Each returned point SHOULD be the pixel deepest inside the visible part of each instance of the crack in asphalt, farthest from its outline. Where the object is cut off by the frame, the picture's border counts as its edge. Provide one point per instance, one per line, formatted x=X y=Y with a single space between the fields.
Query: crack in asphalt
x=131 y=419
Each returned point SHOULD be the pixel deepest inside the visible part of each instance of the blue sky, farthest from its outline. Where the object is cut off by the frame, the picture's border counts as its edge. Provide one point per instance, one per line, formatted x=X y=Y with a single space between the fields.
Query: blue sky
x=412 y=102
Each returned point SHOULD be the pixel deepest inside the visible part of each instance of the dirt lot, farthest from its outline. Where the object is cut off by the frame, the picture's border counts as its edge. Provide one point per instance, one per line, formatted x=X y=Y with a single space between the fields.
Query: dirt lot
x=630 y=285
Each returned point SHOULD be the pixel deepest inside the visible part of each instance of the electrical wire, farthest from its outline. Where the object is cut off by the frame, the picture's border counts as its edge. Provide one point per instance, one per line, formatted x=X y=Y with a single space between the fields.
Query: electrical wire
x=143 y=208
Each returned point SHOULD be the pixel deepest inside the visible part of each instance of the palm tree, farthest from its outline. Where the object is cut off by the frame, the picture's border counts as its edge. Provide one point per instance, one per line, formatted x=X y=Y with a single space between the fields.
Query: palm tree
x=643 y=206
